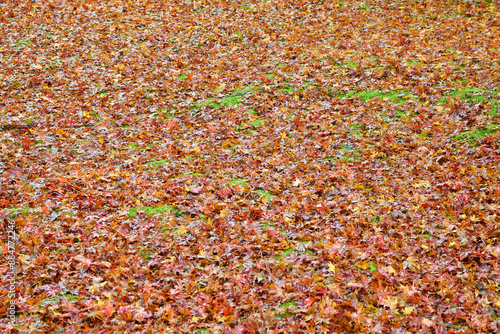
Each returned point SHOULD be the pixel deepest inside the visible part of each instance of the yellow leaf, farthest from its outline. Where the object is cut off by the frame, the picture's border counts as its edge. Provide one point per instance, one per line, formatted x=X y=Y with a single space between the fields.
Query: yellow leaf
x=223 y=213
x=363 y=265
x=182 y=230
x=408 y=310
x=423 y=183
x=195 y=319
x=390 y=302
x=332 y=267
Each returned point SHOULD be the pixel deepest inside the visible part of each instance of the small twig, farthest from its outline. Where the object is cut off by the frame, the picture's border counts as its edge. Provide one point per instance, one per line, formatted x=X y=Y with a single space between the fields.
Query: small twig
x=232 y=95
x=8 y=127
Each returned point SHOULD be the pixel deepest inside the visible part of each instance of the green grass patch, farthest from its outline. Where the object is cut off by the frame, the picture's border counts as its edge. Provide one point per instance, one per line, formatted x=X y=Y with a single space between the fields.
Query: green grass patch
x=157 y=163
x=264 y=226
x=355 y=130
x=154 y=210
x=264 y=194
x=238 y=182
x=165 y=113
x=286 y=306
x=284 y=253
x=287 y=89
x=400 y=113
x=231 y=100
x=66 y=296
x=396 y=96
x=256 y=123
x=22 y=210
x=473 y=135
x=23 y=42
x=349 y=64
x=413 y=62
x=348 y=153
x=473 y=95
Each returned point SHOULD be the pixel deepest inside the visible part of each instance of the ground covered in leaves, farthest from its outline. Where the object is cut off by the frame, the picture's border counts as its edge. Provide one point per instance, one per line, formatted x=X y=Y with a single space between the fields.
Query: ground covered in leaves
x=251 y=166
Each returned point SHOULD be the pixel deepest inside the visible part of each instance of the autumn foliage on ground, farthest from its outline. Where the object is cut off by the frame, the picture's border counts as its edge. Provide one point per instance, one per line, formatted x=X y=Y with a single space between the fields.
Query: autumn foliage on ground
x=251 y=166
